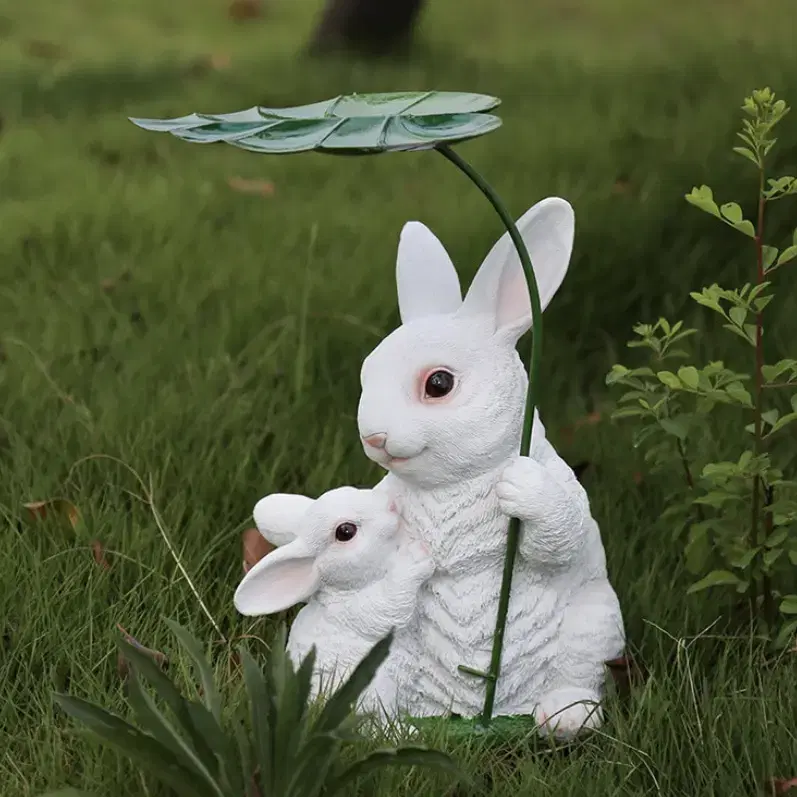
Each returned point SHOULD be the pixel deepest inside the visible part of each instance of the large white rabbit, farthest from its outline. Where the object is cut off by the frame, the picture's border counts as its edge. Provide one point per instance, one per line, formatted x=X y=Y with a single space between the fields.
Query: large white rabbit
x=347 y=555
x=441 y=409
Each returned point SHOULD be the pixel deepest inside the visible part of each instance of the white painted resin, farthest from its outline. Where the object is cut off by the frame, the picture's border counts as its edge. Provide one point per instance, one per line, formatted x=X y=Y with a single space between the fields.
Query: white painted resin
x=356 y=591
x=456 y=478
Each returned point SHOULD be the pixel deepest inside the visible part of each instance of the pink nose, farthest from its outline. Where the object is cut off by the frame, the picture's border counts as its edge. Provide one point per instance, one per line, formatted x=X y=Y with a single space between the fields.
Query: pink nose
x=375 y=440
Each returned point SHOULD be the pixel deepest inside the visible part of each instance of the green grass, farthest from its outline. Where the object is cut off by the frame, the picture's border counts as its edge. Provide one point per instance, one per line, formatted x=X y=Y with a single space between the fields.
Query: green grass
x=226 y=366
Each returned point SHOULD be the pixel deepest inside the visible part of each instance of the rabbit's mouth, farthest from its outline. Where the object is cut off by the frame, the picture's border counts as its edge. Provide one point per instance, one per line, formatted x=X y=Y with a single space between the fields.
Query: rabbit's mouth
x=390 y=461
x=386 y=460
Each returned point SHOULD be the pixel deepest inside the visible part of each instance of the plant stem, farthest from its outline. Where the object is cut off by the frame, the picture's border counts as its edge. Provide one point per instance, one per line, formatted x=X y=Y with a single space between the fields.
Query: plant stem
x=513 y=536
x=759 y=374
x=770 y=612
x=688 y=476
x=685 y=462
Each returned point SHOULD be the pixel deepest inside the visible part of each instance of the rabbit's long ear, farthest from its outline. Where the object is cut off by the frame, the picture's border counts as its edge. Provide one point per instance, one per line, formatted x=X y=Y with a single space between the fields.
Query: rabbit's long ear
x=500 y=288
x=426 y=279
x=279 y=515
x=280 y=580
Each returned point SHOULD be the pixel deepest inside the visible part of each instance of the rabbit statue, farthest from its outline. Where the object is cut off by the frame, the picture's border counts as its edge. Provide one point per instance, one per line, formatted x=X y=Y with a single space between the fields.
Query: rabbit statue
x=441 y=409
x=347 y=555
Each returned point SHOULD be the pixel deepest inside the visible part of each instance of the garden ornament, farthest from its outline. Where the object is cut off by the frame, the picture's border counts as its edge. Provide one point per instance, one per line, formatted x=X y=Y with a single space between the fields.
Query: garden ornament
x=519 y=615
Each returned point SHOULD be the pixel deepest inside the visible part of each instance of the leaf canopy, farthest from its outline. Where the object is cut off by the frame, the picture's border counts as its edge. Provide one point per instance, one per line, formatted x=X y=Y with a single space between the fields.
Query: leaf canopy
x=347 y=124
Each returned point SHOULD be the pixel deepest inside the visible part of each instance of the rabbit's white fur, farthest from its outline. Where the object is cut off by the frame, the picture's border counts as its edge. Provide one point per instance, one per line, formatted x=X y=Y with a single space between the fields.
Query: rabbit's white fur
x=454 y=467
x=356 y=591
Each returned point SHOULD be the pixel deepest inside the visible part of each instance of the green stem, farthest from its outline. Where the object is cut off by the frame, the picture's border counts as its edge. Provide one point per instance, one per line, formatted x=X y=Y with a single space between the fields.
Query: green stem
x=768 y=598
x=690 y=481
x=759 y=382
x=513 y=537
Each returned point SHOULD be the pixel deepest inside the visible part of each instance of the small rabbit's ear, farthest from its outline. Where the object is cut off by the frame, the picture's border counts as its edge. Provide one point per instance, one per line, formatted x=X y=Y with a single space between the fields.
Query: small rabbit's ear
x=426 y=279
x=500 y=287
x=279 y=515
x=280 y=580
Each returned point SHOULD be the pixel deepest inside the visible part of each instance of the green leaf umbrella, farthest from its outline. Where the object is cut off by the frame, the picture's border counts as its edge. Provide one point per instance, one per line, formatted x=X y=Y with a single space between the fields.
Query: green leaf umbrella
x=354 y=124
x=363 y=124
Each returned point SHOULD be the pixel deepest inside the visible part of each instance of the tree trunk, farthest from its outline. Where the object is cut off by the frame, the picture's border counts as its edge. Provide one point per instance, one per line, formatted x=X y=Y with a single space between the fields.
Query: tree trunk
x=366 y=27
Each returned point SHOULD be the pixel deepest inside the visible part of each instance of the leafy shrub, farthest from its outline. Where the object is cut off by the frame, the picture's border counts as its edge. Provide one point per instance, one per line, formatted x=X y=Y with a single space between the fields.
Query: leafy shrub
x=740 y=515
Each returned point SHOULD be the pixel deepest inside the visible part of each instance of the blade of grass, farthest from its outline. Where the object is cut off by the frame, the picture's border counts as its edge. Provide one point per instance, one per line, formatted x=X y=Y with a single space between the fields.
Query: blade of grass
x=167 y=691
x=140 y=747
x=316 y=760
x=403 y=757
x=223 y=746
x=160 y=728
x=304 y=679
x=211 y=696
x=259 y=701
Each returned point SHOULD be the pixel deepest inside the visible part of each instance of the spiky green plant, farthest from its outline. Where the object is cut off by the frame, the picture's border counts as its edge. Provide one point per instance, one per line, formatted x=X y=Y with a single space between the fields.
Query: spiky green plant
x=286 y=749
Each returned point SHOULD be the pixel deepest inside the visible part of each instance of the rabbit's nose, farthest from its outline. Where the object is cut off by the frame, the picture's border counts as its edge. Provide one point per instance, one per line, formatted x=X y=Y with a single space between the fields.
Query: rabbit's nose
x=376 y=440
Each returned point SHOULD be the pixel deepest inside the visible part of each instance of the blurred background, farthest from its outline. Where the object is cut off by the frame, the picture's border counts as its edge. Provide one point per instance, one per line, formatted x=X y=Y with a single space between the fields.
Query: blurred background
x=619 y=106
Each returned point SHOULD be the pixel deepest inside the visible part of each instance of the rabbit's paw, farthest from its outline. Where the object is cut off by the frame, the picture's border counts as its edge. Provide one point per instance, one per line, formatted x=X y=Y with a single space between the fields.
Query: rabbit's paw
x=520 y=488
x=563 y=713
x=420 y=557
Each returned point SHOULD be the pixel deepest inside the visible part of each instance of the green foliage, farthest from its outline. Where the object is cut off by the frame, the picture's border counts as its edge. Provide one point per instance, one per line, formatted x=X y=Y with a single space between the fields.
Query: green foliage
x=286 y=750
x=742 y=515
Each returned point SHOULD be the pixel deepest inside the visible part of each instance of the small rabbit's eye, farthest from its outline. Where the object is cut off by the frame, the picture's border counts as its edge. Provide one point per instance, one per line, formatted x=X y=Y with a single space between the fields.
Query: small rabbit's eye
x=438 y=384
x=345 y=532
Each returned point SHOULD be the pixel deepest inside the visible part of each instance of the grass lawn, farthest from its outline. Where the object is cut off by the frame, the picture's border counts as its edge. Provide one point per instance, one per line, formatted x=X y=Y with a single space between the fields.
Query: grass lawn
x=209 y=340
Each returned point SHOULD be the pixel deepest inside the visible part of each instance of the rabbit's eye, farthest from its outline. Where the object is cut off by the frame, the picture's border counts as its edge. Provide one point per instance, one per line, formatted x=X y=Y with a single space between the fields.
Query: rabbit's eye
x=439 y=384
x=345 y=532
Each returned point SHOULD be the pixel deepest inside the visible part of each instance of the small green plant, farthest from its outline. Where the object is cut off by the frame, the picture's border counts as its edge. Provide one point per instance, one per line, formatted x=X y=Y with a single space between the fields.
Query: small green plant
x=741 y=515
x=285 y=749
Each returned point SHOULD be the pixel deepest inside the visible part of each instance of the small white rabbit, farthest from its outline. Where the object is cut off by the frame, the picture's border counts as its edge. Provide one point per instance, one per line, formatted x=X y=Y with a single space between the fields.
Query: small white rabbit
x=347 y=555
x=441 y=409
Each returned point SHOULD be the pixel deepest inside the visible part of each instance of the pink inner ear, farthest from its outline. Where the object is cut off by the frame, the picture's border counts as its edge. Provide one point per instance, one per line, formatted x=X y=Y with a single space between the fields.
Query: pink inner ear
x=274 y=585
x=514 y=304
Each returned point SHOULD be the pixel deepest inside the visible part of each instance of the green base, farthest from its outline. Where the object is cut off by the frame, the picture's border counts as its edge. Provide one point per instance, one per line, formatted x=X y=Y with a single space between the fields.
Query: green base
x=511 y=729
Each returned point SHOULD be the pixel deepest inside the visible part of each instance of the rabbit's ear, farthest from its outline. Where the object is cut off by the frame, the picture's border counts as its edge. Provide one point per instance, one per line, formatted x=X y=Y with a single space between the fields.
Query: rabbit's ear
x=278 y=516
x=426 y=279
x=280 y=580
x=500 y=287
x=548 y=230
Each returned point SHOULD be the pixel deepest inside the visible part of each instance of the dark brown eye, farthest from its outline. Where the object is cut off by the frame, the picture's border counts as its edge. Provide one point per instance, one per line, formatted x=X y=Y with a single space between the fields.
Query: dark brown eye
x=345 y=532
x=439 y=384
